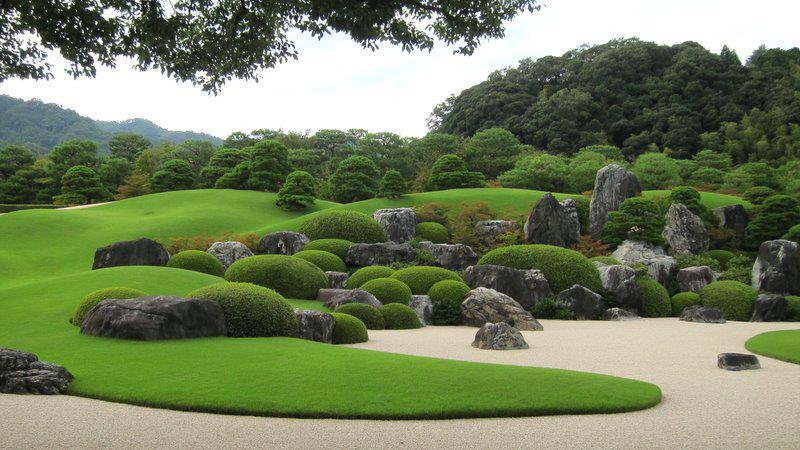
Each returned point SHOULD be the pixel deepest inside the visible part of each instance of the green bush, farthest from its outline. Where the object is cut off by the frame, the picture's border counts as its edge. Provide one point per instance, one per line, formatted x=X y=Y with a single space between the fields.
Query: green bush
x=562 y=267
x=388 y=290
x=326 y=261
x=548 y=308
x=98 y=296
x=792 y=309
x=740 y=268
x=421 y=278
x=349 y=225
x=446 y=298
x=758 y=194
x=638 y=219
x=364 y=274
x=683 y=299
x=399 y=317
x=198 y=261
x=655 y=298
x=793 y=234
x=338 y=247
x=608 y=260
x=777 y=215
x=291 y=277
x=689 y=260
x=250 y=310
x=733 y=298
x=432 y=231
x=723 y=257
x=348 y=329
x=372 y=318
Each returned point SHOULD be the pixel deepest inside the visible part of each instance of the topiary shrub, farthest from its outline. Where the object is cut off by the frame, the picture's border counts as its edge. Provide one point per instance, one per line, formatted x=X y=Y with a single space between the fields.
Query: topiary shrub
x=338 y=247
x=689 y=260
x=733 y=298
x=326 y=261
x=421 y=278
x=638 y=219
x=349 y=225
x=388 y=290
x=792 y=309
x=446 y=298
x=655 y=298
x=399 y=317
x=562 y=267
x=98 y=296
x=372 y=318
x=793 y=234
x=723 y=257
x=197 y=261
x=548 y=308
x=348 y=329
x=608 y=260
x=291 y=277
x=683 y=299
x=364 y=274
x=250 y=310
x=432 y=231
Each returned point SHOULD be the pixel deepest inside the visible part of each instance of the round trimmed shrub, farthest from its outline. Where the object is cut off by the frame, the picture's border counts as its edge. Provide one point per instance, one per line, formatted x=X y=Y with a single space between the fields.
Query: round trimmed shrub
x=723 y=257
x=733 y=298
x=432 y=231
x=562 y=267
x=98 y=296
x=399 y=317
x=422 y=278
x=197 y=261
x=291 y=277
x=655 y=298
x=364 y=274
x=250 y=310
x=349 y=225
x=338 y=247
x=372 y=318
x=446 y=297
x=792 y=308
x=607 y=260
x=348 y=329
x=326 y=261
x=388 y=290
x=683 y=299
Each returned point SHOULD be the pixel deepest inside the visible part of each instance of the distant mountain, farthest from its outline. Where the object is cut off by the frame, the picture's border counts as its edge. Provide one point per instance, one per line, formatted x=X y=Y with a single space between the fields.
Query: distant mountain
x=41 y=126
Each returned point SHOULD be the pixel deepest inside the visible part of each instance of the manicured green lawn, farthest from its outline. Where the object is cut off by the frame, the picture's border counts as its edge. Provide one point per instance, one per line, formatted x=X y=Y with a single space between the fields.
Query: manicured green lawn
x=710 y=199
x=783 y=345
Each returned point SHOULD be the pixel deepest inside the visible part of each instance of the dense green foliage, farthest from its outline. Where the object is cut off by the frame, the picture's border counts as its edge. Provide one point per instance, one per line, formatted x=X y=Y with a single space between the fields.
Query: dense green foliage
x=356 y=178
x=173 y=175
x=198 y=261
x=777 y=215
x=655 y=298
x=723 y=257
x=446 y=298
x=297 y=192
x=372 y=318
x=783 y=345
x=541 y=172
x=638 y=219
x=91 y=300
x=733 y=298
x=739 y=268
x=388 y=290
x=792 y=308
x=432 y=231
x=340 y=224
x=399 y=317
x=392 y=185
x=683 y=299
x=685 y=260
x=81 y=185
x=607 y=260
x=450 y=172
x=336 y=246
x=548 y=308
x=491 y=151
x=348 y=329
x=364 y=274
x=421 y=278
x=291 y=277
x=326 y=261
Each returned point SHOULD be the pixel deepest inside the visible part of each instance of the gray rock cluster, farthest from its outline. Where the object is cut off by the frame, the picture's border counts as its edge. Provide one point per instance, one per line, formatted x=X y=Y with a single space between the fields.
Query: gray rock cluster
x=451 y=256
x=229 y=252
x=777 y=268
x=737 y=361
x=337 y=280
x=399 y=224
x=527 y=287
x=612 y=185
x=139 y=252
x=282 y=243
x=659 y=265
x=553 y=223
x=334 y=298
x=769 y=308
x=685 y=231
x=421 y=304
x=482 y=305
x=620 y=280
x=315 y=325
x=499 y=336
x=23 y=373
x=488 y=231
x=701 y=314
x=692 y=279
x=581 y=301
x=379 y=254
x=619 y=315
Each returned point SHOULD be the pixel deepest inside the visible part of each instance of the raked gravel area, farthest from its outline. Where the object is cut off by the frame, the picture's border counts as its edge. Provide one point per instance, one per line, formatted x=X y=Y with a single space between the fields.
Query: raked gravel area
x=703 y=406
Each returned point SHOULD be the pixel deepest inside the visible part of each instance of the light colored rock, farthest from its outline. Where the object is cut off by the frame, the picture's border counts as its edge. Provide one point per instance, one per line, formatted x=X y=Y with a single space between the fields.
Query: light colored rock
x=499 y=336
x=701 y=314
x=337 y=280
x=685 y=231
x=335 y=298
x=451 y=256
x=488 y=231
x=620 y=280
x=527 y=287
x=482 y=305
x=777 y=268
x=229 y=252
x=612 y=185
x=399 y=224
x=421 y=304
x=692 y=279
x=659 y=265
x=619 y=315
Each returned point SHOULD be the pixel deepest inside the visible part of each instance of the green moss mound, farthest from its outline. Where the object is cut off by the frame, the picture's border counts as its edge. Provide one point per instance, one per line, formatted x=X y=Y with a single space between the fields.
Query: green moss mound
x=98 y=296
x=446 y=297
x=723 y=257
x=250 y=310
x=326 y=261
x=338 y=247
x=654 y=297
x=733 y=298
x=364 y=274
x=388 y=290
x=348 y=329
x=432 y=231
x=422 y=278
x=291 y=277
x=607 y=260
x=563 y=268
x=783 y=345
x=792 y=308
x=198 y=261
x=683 y=299
x=400 y=317
x=339 y=224
x=372 y=318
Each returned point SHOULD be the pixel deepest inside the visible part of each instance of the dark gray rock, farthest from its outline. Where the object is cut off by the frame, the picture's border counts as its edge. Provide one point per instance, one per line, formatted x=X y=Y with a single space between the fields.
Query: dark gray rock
x=282 y=243
x=344 y=296
x=315 y=325
x=777 y=268
x=701 y=314
x=488 y=231
x=769 y=308
x=451 y=256
x=620 y=280
x=23 y=373
x=692 y=279
x=732 y=217
x=685 y=231
x=527 y=287
x=737 y=361
x=619 y=315
x=229 y=252
x=482 y=305
x=612 y=185
x=553 y=223
x=380 y=254
x=139 y=252
x=155 y=318
x=399 y=224
x=499 y=336
x=421 y=304
x=660 y=266
x=581 y=301
x=337 y=280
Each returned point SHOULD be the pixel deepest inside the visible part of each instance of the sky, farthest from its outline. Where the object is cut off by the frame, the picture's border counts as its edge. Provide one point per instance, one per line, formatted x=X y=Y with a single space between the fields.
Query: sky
x=337 y=84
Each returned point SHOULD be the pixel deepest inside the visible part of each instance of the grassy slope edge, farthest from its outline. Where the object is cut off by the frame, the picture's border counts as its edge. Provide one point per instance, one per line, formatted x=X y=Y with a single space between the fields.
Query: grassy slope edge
x=783 y=345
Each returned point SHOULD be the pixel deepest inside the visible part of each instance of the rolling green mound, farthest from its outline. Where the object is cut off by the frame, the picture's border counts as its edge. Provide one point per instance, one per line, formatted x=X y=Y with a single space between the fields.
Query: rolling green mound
x=783 y=345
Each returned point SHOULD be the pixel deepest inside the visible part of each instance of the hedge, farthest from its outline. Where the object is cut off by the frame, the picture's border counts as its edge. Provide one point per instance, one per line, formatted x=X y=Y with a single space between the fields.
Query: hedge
x=388 y=290
x=432 y=231
x=291 y=277
x=446 y=298
x=421 y=278
x=655 y=298
x=372 y=318
x=733 y=298
x=326 y=261
x=683 y=299
x=98 y=296
x=399 y=317
x=348 y=329
x=197 y=261
x=364 y=274
x=338 y=224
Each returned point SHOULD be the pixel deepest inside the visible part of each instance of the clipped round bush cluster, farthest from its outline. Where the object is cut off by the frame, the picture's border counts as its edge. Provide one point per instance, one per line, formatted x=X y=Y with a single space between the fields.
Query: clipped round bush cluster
x=655 y=298
x=291 y=277
x=364 y=274
x=421 y=278
x=250 y=310
x=326 y=261
x=348 y=329
x=372 y=318
x=723 y=257
x=446 y=298
x=338 y=247
x=562 y=267
x=683 y=299
x=98 y=296
x=432 y=231
x=197 y=261
x=733 y=298
x=399 y=317
x=607 y=260
x=349 y=225
x=388 y=290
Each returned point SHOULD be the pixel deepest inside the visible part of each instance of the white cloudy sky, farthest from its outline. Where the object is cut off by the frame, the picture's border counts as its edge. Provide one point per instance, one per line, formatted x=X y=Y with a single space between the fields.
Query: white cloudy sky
x=336 y=84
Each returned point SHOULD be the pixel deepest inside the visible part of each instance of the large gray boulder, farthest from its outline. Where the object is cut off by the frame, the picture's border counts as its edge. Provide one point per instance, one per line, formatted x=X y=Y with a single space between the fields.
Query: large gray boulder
x=482 y=305
x=337 y=280
x=488 y=231
x=581 y=301
x=737 y=361
x=282 y=243
x=620 y=280
x=421 y=304
x=23 y=373
x=229 y=252
x=553 y=223
x=777 y=268
x=315 y=325
x=139 y=252
x=399 y=224
x=701 y=314
x=685 y=231
x=451 y=256
x=380 y=254
x=527 y=287
x=612 y=185
x=155 y=318
x=334 y=300
x=659 y=265
x=619 y=315
x=499 y=336
x=769 y=308
x=732 y=217
x=692 y=279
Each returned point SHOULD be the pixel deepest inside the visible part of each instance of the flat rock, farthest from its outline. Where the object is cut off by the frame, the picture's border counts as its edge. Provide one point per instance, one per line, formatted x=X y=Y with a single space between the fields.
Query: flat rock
x=737 y=361
x=769 y=308
x=612 y=185
x=139 y=252
x=23 y=373
x=581 y=301
x=685 y=231
x=499 y=336
x=620 y=280
x=421 y=304
x=229 y=252
x=344 y=296
x=732 y=217
x=315 y=325
x=553 y=223
x=701 y=314
x=659 y=265
x=619 y=315
x=380 y=254
x=482 y=305
x=692 y=279
x=282 y=243
x=777 y=267
x=399 y=224
x=451 y=256
x=527 y=287
x=337 y=280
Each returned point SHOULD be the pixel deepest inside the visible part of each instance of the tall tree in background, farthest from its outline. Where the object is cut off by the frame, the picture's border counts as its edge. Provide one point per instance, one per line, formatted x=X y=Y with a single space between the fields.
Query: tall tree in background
x=297 y=192
x=127 y=145
x=269 y=166
x=491 y=151
x=14 y=158
x=392 y=185
x=173 y=175
x=356 y=178
x=79 y=186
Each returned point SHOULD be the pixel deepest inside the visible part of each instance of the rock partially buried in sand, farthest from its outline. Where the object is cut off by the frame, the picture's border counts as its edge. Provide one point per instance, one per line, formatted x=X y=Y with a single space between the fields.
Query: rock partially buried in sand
x=581 y=301
x=482 y=305
x=619 y=315
x=499 y=336
x=23 y=373
x=701 y=314
x=769 y=308
x=737 y=361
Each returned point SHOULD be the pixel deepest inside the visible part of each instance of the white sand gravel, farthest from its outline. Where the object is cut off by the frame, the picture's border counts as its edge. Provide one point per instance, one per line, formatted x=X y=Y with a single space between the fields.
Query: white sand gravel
x=703 y=406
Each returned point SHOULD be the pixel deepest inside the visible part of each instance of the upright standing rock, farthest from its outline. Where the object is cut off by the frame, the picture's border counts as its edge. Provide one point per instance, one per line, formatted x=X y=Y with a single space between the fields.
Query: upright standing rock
x=421 y=304
x=314 y=325
x=229 y=252
x=769 y=308
x=692 y=279
x=581 y=301
x=527 y=287
x=732 y=217
x=399 y=224
x=685 y=231
x=620 y=280
x=139 y=252
x=451 y=256
x=553 y=223
x=282 y=243
x=777 y=268
x=659 y=265
x=612 y=185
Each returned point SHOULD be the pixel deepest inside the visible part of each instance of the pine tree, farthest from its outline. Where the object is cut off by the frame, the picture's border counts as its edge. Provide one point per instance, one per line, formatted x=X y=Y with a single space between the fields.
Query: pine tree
x=297 y=192
x=392 y=185
x=81 y=185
